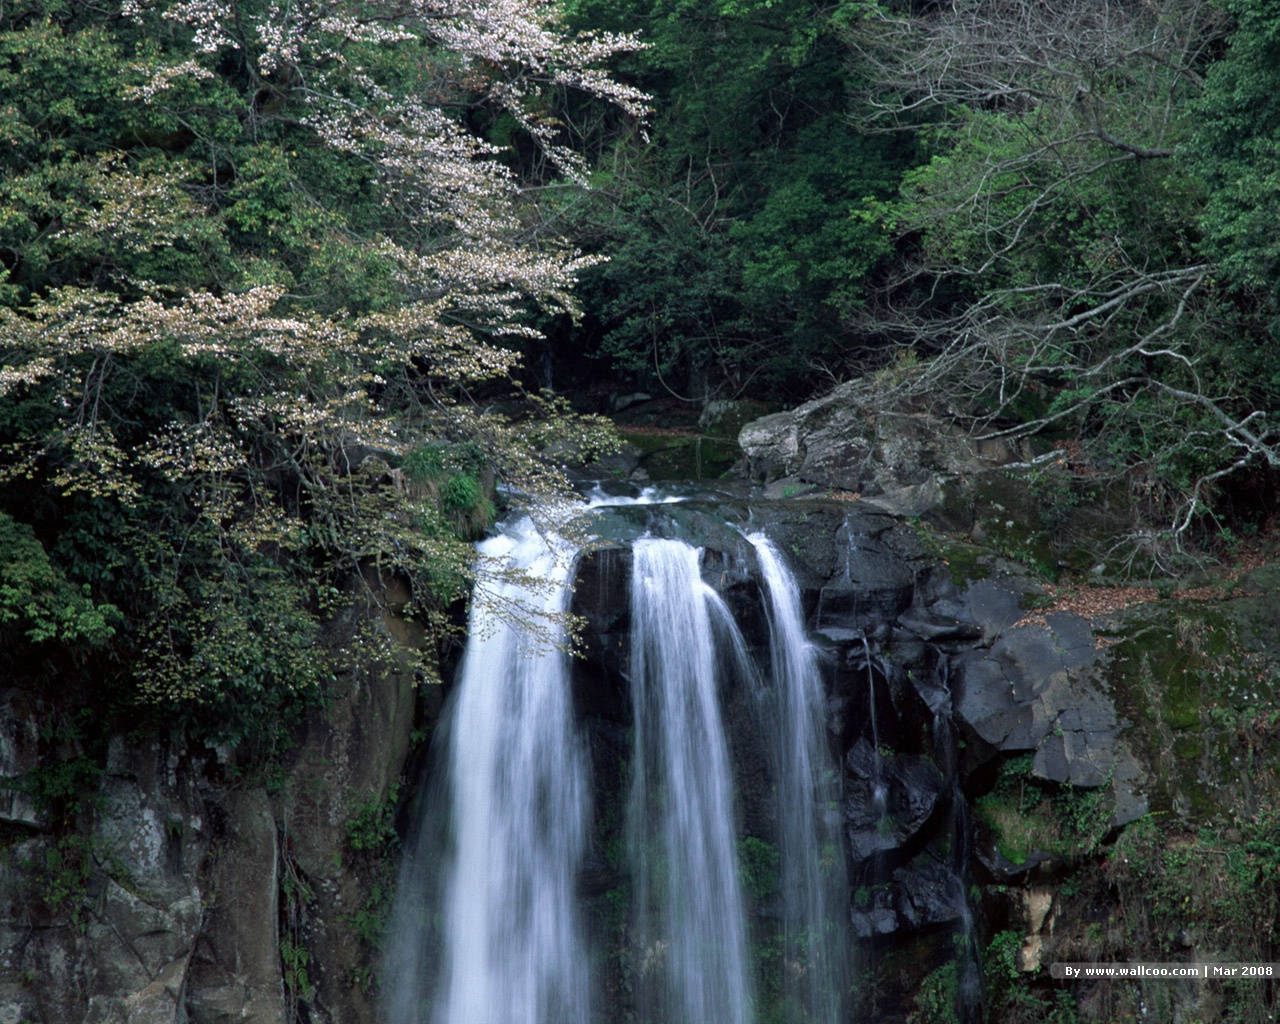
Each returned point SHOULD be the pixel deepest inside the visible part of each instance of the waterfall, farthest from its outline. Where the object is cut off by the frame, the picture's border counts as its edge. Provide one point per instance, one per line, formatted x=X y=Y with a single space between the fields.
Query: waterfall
x=691 y=934
x=967 y=944
x=814 y=885
x=488 y=925
x=879 y=792
x=511 y=945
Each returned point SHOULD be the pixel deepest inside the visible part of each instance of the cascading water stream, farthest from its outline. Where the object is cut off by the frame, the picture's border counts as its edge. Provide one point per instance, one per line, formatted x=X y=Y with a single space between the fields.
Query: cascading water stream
x=488 y=924
x=814 y=884
x=968 y=958
x=511 y=945
x=879 y=793
x=691 y=932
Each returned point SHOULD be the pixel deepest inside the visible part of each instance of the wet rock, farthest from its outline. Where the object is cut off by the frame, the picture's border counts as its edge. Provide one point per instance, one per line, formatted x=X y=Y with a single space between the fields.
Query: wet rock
x=888 y=799
x=869 y=922
x=1026 y=686
x=929 y=894
x=351 y=752
x=725 y=418
x=103 y=911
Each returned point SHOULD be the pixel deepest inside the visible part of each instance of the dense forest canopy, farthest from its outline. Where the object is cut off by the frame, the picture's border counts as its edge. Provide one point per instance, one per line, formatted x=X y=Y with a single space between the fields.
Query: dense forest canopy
x=1048 y=223
x=258 y=263
x=743 y=229
x=268 y=274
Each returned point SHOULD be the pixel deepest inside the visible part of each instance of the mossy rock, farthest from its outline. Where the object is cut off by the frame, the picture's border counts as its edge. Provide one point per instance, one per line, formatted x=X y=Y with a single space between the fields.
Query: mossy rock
x=724 y=420
x=1007 y=519
x=673 y=457
x=1200 y=681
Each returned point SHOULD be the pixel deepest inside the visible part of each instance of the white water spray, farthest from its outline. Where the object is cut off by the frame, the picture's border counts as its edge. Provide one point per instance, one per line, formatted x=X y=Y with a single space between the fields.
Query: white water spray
x=511 y=945
x=814 y=885
x=691 y=934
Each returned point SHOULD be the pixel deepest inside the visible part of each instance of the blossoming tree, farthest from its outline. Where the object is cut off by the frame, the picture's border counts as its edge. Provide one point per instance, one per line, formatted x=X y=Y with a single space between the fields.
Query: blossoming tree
x=258 y=262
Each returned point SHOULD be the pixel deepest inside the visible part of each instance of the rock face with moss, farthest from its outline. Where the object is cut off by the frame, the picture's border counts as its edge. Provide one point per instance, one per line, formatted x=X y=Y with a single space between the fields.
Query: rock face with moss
x=931 y=684
x=147 y=879
x=1020 y=784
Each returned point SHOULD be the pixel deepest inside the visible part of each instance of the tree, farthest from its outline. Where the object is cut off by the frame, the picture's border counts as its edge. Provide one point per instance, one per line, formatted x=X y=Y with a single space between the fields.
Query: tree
x=257 y=267
x=1234 y=147
x=1053 y=283
x=736 y=239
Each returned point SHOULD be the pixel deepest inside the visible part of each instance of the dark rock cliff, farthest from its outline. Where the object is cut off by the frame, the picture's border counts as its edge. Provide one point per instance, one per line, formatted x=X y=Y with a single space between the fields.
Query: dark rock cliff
x=1000 y=760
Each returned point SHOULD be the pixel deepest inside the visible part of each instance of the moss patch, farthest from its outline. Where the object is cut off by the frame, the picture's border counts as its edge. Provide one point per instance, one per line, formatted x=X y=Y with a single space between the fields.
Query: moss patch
x=1198 y=680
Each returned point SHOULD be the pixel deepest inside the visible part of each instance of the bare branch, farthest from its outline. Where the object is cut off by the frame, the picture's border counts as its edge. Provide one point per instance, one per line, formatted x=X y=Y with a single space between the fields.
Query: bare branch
x=1031 y=298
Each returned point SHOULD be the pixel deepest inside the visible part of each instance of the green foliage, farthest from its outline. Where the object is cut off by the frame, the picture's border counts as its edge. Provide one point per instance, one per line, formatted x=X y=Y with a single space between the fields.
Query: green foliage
x=1000 y=959
x=1226 y=888
x=65 y=782
x=462 y=498
x=369 y=925
x=1009 y=996
x=1219 y=885
x=1053 y=275
x=371 y=844
x=1027 y=815
x=758 y=864
x=1236 y=147
x=296 y=959
x=371 y=828
x=739 y=238
x=36 y=596
x=63 y=878
x=230 y=305
x=427 y=463
x=61 y=788
x=935 y=1001
x=231 y=636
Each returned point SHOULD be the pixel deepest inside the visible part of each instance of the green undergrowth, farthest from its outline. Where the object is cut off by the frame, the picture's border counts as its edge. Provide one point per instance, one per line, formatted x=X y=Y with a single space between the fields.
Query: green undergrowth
x=1026 y=816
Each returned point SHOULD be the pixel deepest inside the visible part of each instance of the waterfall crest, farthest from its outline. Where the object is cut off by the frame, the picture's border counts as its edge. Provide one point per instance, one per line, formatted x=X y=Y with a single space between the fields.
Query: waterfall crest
x=814 y=884
x=690 y=930
x=511 y=945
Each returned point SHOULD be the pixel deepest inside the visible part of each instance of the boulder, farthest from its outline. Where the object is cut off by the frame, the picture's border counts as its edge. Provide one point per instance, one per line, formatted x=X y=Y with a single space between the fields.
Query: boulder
x=837 y=441
x=888 y=799
x=1038 y=688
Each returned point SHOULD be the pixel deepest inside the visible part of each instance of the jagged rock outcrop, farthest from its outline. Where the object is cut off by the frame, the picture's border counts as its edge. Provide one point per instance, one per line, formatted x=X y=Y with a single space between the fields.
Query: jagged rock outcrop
x=1037 y=688
x=836 y=441
x=146 y=884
